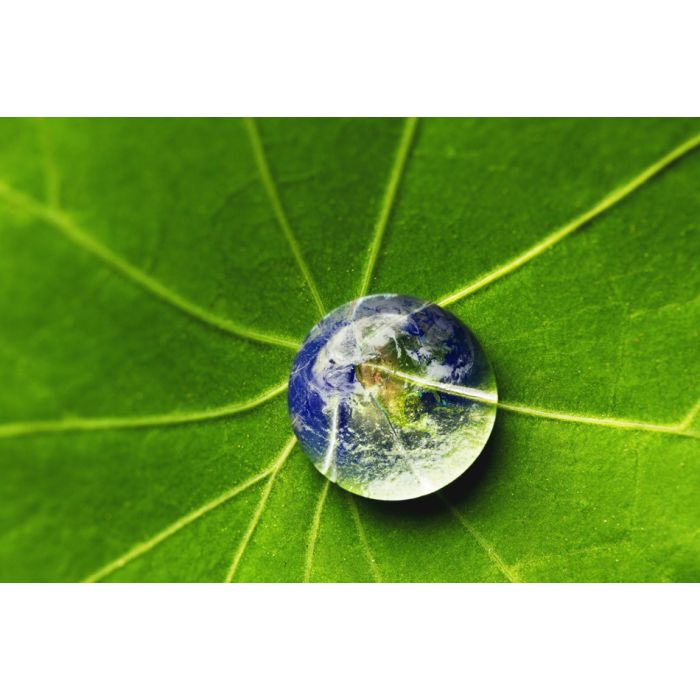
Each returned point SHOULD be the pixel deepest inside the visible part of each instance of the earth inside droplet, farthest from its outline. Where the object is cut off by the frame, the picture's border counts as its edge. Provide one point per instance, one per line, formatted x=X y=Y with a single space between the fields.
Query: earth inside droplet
x=392 y=397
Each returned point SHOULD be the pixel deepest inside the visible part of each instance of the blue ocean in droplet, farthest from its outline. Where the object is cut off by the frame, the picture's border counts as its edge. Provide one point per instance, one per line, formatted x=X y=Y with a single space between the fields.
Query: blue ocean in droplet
x=391 y=397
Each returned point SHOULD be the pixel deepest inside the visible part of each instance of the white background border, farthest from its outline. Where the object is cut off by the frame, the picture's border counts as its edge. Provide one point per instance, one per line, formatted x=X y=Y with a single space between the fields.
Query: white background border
x=343 y=641
x=367 y=57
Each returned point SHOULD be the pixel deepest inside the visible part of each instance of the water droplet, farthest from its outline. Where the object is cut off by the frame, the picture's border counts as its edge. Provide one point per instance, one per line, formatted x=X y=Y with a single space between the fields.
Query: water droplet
x=392 y=397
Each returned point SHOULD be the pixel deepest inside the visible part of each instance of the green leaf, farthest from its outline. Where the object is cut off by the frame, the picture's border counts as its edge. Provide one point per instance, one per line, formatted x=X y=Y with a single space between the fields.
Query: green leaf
x=156 y=276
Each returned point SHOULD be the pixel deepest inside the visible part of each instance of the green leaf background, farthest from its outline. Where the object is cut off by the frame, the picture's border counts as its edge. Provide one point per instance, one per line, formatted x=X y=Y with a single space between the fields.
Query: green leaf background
x=156 y=276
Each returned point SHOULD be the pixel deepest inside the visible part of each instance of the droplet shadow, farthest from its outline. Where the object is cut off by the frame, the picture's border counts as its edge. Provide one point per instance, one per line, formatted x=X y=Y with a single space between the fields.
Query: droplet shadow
x=458 y=493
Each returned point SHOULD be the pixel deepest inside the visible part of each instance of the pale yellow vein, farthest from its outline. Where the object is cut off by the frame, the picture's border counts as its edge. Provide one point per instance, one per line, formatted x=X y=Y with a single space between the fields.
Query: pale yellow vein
x=690 y=417
x=76 y=235
x=51 y=175
x=618 y=423
x=313 y=531
x=273 y=195
x=388 y=200
x=490 y=550
x=76 y=424
x=553 y=238
x=465 y=391
x=362 y=536
x=609 y=547
x=175 y=527
x=273 y=471
x=679 y=428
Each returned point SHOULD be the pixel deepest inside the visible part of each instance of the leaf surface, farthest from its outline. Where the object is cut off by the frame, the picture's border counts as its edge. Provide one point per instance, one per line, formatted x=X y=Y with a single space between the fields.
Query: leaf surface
x=156 y=275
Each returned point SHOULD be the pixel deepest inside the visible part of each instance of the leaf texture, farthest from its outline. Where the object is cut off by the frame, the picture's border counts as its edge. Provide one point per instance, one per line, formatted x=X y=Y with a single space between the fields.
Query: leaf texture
x=157 y=275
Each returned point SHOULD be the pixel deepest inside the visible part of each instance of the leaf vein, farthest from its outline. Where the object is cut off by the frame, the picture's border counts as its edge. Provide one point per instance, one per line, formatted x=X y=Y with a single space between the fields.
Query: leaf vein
x=490 y=550
x=313 y=531
x=76 y=235
x=395 y=176
x=679 y=428
x=273 y=195
x=51 y=175
x=77 y=424
x=362 y=536
x=607 y=202
x=273 y=471
x=179 y=524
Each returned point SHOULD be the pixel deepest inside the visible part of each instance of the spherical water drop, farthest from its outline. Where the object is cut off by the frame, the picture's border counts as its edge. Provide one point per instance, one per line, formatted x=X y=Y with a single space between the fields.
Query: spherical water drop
x=392 y=397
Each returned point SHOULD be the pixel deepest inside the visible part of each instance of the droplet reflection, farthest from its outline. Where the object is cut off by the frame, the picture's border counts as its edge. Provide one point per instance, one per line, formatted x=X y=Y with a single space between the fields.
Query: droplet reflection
x=391 y=397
